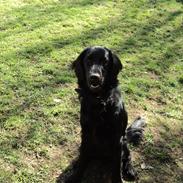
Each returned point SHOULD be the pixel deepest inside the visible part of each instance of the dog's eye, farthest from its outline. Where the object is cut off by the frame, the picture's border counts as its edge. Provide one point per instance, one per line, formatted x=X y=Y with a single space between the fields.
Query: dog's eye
x=89 y=63
x=105 y=62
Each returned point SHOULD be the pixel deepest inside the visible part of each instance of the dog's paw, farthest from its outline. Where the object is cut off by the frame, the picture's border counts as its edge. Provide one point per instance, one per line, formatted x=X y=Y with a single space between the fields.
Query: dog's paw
x=129 y=173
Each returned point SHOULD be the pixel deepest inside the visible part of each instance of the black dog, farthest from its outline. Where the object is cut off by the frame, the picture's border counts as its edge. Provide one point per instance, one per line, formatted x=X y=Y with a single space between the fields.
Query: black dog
x=103 y=117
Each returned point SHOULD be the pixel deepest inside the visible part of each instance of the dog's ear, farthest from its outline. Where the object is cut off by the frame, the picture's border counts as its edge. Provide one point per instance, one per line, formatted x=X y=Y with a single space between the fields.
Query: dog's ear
x=116 y=65
x=78 y=66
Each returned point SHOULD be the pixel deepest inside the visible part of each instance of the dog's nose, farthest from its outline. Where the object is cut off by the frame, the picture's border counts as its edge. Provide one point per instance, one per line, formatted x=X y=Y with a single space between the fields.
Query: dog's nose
x=95 y=79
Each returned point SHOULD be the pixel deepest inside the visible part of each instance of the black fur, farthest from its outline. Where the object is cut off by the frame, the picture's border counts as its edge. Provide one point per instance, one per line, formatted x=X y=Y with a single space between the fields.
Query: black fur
x=103 y=117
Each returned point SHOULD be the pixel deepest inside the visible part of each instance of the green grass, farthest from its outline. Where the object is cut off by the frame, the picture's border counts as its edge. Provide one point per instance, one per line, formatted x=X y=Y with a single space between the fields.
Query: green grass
x=39 y=110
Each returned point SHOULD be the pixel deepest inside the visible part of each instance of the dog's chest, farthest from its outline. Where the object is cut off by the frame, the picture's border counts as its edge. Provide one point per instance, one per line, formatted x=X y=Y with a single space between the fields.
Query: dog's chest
x=101 y=126
x=102 y=131
x=102 y=134
x=102 y=140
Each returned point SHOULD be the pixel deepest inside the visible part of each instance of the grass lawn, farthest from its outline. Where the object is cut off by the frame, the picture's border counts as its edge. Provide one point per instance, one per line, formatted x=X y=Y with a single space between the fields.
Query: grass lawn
x=39 y=109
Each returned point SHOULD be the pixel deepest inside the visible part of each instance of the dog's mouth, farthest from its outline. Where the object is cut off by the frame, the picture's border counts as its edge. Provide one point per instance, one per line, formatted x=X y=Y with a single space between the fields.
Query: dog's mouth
x=95 y=85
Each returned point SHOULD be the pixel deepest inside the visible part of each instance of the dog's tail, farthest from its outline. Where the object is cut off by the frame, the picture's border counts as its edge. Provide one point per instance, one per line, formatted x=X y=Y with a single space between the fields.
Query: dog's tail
x=135 y=132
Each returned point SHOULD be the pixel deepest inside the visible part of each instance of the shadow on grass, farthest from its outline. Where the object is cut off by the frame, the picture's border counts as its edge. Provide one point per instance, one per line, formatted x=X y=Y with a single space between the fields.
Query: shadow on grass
x=136 y=42
x=29 y=18
x=97 y=172
x=180 y=1
x=163 y=156
x=145 y=37
x=81 y=3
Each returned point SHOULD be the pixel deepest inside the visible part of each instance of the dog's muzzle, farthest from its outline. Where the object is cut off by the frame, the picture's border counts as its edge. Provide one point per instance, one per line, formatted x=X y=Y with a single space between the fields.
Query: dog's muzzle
x=95 y=81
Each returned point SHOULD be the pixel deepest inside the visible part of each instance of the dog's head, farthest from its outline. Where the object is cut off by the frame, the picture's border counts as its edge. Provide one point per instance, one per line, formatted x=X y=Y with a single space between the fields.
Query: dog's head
x=96 y=67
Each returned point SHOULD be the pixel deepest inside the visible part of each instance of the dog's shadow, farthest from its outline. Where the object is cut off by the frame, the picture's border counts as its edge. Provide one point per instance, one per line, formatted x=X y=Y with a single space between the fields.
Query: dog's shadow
x=98 y=171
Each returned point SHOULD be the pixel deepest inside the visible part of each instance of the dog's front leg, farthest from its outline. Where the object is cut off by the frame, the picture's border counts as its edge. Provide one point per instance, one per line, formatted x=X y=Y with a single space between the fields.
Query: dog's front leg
x=128 y=172
x=79 y=168
x=82 y=161
x=116 y=165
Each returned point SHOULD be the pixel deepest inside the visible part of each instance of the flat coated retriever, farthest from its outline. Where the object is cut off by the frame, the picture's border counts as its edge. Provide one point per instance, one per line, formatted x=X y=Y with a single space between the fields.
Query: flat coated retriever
x=103 y=117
